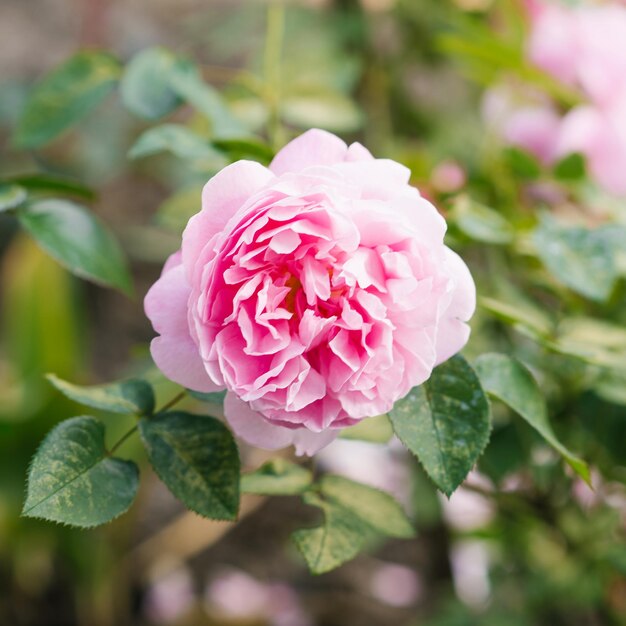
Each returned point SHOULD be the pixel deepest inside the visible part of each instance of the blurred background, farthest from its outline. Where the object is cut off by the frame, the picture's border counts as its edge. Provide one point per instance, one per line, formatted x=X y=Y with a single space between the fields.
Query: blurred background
x=428 y=83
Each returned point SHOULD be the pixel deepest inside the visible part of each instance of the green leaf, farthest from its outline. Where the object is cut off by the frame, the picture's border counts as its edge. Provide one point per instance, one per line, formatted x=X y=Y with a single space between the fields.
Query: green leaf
x=482 y=223
x=277 y=477
x=197 y=458
x=373 y=429
x=65 y=96
x=329 y=110
x=445 y=422
x=48 y=183
x=145 y=86
x=522 y=163
x=185 y=80
x=245 y=148
x=372 y=506
x=339 y=539
x=519 y=314
x=174 y=138
x=214 y=397
x=73 y=481
x=507 y=379
x=571 y=167
x=11 y=196
x=133 y=397
x=578 y=257
x=76 y=239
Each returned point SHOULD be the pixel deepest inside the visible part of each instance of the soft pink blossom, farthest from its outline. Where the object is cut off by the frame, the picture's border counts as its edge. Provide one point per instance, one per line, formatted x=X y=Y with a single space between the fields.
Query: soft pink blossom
x=317 y=292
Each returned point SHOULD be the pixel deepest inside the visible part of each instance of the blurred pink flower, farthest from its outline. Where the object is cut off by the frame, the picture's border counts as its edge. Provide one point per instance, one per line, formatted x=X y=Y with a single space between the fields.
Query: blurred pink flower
x=317 y=292
x=448 y=177
x=582 y=47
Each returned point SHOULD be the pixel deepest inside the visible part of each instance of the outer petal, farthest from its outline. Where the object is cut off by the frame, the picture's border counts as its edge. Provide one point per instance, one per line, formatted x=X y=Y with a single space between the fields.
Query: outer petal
x=175 y=352
x=315 y=147
x=254 y=429
x=452 y=331
x=222 y=196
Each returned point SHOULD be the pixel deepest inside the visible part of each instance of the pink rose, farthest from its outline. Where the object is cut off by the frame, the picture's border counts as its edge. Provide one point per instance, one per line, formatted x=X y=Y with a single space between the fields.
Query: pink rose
x=316 y=292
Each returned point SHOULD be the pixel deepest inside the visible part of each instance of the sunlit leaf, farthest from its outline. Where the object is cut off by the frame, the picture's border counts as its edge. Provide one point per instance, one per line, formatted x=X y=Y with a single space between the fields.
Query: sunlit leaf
x=129 y=396
x=277 y=477
x=11 y=196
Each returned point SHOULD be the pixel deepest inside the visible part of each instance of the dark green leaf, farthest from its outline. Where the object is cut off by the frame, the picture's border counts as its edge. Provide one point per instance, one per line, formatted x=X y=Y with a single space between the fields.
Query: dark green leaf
x=73 y=481
x=339 y=539
x=145 y=86
x=197 y=458
x=245 y=149
x=578 y=257
x=47 y=183
x=522 y=163
x=277 y=477
x=372 y=506
x=174 y=138
x=482 y=223
x=11 y=196
x=65 y=96
x=571 y=167
x=134 y=397
x=445 y=422
x=508 y=380
x=77 y=240
x=215 y=397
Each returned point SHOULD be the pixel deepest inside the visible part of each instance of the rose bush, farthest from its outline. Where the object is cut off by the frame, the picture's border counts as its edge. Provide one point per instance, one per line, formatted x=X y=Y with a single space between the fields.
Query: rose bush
x=317 y=292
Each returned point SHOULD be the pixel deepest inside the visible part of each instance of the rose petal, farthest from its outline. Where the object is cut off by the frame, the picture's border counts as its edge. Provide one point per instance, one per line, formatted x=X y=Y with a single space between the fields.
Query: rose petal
x=174 y=352
x=315 y=147
x=254 y=429
x=222 y=197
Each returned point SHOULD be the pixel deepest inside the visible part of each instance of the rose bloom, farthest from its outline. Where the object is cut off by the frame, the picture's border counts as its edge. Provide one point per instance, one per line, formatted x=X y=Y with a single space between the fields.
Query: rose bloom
x=317 y=292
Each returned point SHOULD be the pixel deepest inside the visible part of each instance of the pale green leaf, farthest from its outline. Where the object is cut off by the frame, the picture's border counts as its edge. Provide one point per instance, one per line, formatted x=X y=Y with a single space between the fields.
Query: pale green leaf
x=179 y=140
x=135 y=397
x=277 y=477
x=376 y=429
x=11 y=196
x=578 y=257
x=145 y=87
x=374 y=507
x=481 y=223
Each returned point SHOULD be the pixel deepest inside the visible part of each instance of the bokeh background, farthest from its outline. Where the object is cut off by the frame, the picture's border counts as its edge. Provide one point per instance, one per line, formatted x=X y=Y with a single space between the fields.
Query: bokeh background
x=522 y=543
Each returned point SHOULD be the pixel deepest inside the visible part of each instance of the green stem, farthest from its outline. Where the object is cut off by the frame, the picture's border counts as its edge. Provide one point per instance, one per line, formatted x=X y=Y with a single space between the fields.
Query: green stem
x=123 y=439
x=172 y=402
x=272 y=67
